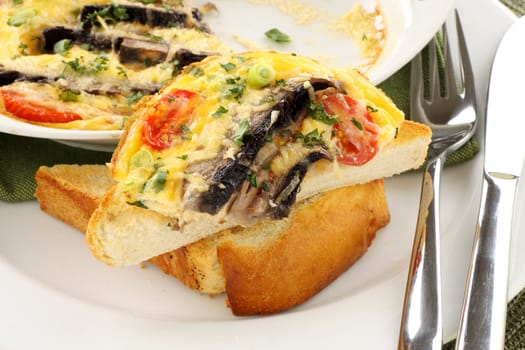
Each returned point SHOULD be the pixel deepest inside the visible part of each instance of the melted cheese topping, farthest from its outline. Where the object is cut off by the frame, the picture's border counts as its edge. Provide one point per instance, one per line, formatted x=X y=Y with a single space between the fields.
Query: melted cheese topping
x=99 y=71
x=211 y=134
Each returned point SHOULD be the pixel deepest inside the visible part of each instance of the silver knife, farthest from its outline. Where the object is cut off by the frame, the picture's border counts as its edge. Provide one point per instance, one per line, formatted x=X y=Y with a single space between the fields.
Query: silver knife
x=482 y=324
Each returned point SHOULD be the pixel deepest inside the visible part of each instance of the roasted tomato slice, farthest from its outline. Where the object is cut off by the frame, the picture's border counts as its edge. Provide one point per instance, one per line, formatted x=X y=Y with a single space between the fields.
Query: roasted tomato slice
x=166 y=119
x=18 y=105
x=356 y=132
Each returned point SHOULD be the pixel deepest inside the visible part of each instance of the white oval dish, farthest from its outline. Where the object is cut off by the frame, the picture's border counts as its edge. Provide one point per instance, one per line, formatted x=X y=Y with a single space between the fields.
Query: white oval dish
x=410 y=24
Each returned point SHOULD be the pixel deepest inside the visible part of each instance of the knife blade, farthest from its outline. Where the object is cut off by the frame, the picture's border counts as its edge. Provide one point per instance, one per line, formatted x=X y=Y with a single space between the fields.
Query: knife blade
x=482 y=324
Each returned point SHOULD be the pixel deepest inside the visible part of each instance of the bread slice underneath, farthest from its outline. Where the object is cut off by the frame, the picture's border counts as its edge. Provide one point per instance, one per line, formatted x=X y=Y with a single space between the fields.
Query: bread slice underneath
x=122 y=234
x=263 y=269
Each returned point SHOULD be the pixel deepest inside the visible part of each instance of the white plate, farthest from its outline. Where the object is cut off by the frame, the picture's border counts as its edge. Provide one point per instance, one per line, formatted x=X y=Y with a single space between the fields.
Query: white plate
x=410 y=24
x=54 y=294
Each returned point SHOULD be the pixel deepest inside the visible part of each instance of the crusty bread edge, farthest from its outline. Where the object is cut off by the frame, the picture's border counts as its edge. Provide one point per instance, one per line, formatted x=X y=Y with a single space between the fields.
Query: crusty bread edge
x=65 y=201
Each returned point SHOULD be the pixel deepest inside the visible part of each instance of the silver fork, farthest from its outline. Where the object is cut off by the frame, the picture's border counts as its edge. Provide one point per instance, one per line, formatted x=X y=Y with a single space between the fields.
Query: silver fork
x=452 y=118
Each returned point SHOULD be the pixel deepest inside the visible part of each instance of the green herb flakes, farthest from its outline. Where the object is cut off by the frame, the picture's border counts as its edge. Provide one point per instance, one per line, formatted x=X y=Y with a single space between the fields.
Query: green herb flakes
x=313 y=138
x=134 y=97
x=316 y=111
x=228 y=67
x=251 y=177
x=276 y=35
x=357 y=124
x=241 y=132
x=219 y=112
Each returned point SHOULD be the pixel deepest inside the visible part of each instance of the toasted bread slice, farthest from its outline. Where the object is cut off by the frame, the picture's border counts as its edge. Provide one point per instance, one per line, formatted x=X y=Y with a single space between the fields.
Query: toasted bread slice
x=122 y=234
x=263 y=269
x=71 y=193
x=276 y=265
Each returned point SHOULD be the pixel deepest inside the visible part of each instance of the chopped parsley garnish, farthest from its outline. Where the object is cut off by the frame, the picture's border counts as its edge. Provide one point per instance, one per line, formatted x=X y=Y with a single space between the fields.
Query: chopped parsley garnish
x=251 y=177
x=317 y=112
x=176 y=68
x=87 y=47
x=240 y=59
x=78 y=65
x=137 y=204
x=265 y=186
x=134 y=97
x=122 y=72
x=154 y=37
x=235 y=88
x=109 y=14
x=313 y=138
x=147 y=62
x=371 y=109
x=241 y=131
x=195 y=71
x=186 y=131
x=22 y=47
x=277 y=36
x=357 y=124
x=228 y=66
x=219 y=112
x=183 y=157
x=280 y=82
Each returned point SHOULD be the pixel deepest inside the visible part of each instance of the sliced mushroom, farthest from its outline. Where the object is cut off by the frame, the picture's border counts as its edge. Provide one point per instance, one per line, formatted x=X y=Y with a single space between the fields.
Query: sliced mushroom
x=143 y=51
x=226 y=177
x=185 y=57
x=285 y=196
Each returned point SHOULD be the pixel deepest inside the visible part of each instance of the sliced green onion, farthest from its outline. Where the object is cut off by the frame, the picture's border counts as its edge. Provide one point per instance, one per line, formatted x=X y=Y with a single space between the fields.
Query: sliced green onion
x=260 y=75
x=142 y=159
x=157 y=182
x=277 y=36
x=62 y=46
x=68 y=95
x=21 y=17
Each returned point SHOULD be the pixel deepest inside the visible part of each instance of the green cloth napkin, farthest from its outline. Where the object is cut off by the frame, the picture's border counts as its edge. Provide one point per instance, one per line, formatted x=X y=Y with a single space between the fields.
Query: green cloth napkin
x=20 y=157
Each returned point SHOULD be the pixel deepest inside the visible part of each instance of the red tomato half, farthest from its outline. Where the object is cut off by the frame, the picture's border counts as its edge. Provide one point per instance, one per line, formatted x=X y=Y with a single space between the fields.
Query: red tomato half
x=357 y=133
x=166 y=118
x=20 y=107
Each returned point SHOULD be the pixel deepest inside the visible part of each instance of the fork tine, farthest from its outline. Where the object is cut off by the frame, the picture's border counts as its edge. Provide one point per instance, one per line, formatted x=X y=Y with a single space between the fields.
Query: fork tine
x=467 y=74
x=417 y=88
x=450 y=74
x=433 y=72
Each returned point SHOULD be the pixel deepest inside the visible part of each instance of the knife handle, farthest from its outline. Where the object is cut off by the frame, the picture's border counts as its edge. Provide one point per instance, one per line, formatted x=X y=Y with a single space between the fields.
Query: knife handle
x=482 y=323
x=421 y=320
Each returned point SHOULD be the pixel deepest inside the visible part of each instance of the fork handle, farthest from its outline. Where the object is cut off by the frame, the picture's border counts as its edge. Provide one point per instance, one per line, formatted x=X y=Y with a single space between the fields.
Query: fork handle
x=482 y=324
x=421 y=324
